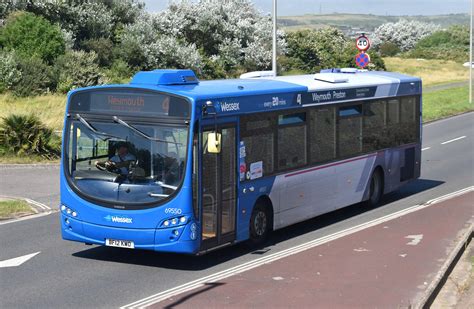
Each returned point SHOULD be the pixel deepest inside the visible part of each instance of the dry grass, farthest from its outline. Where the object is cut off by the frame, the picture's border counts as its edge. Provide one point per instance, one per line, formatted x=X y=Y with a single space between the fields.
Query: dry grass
x=49 y=108
x=432 y=72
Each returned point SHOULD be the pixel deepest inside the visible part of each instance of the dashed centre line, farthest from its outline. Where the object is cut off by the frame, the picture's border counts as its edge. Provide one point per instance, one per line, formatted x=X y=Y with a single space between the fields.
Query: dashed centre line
x=453 y=140
x=426 y=148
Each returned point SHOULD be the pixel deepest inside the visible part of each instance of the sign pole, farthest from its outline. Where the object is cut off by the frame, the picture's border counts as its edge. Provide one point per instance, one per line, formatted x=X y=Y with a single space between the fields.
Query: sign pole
x=274 y=60
x=470 y=57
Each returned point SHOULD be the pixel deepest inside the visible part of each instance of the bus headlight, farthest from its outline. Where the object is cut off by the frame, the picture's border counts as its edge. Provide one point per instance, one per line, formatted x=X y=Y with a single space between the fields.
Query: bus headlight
x=176 y=221
x=68 y=211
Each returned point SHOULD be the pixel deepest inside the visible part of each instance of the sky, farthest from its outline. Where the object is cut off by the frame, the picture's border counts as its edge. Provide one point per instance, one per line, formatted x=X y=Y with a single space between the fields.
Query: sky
x=376 y=7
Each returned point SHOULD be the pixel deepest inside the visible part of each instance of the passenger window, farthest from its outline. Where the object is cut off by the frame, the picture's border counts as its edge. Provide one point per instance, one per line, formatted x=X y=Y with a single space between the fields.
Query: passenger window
x=409 y=124
x=374 y=136
x=291 y=147
x=323 y=134
x=350 y=130
x=257 y=135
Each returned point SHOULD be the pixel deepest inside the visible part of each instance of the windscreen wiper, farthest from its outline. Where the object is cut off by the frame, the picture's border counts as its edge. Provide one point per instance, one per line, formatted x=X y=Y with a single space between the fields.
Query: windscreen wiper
x=164 y=185
x=90 y=127
x=141 y=133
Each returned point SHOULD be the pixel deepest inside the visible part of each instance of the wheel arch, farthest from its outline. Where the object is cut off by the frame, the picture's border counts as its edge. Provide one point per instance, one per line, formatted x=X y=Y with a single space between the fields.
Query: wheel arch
x=267 y=202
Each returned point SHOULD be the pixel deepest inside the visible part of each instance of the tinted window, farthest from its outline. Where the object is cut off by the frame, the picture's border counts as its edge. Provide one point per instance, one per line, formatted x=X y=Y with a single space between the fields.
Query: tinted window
x=291 y=147
x=350 y=131
x=374 y=136
x=409 y=127
x=323 y=134
x=257 y=134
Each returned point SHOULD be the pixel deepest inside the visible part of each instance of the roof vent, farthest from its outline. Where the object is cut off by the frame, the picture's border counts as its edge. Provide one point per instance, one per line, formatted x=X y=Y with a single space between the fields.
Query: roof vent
x=165 y=77
x=333 y=78
x=257 y=74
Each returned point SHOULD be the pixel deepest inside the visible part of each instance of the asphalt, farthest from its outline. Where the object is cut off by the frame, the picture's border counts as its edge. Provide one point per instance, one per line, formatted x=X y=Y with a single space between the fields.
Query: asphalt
x=73 y=275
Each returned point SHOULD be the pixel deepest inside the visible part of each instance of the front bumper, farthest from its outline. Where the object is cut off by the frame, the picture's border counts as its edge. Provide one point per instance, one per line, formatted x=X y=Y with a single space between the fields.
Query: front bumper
x=163 y=239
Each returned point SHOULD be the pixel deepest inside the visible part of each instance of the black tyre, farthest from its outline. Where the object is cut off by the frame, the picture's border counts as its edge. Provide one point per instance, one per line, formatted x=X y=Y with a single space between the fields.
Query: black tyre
x=260 y=224
x=375 y=189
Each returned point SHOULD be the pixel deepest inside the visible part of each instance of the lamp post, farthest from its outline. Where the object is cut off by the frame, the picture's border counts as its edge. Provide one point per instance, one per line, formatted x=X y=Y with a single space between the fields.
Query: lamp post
x=470 y=57
x=274 y=60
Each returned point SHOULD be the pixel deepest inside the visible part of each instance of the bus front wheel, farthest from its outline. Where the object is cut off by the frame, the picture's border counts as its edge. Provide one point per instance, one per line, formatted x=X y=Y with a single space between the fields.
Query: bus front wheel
x=375 y=189
x=259 y=224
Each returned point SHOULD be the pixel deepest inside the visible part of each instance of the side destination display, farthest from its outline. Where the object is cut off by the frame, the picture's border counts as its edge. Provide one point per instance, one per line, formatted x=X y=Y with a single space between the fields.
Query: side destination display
x=338 y=95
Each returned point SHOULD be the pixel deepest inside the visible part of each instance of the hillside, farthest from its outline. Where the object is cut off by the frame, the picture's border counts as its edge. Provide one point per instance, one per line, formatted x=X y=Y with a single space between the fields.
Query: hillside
x=355 y=23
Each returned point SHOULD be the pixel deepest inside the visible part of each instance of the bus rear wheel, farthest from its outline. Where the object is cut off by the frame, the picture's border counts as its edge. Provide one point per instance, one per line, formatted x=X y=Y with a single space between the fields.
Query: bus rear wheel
x=260 y=222
x=375 y=189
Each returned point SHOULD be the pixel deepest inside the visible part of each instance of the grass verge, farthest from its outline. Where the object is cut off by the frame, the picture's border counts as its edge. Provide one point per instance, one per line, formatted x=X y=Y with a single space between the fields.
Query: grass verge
x=444 y=103
x=49 y=108
x=432 y=72
x=12 y=208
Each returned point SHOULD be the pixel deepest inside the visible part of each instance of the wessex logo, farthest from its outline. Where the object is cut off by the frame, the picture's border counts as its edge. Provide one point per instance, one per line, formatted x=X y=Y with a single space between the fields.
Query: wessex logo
x=229 y=107
x=118 y=219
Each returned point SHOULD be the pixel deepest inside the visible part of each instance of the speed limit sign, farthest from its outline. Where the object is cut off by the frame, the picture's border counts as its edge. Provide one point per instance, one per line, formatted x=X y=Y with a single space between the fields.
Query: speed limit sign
x=362 y=43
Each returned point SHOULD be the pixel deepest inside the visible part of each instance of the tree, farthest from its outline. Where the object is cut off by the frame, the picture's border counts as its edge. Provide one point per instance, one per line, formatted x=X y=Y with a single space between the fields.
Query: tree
x=405 y=34
x=32 y=36
x=231 y=33
x=77 y=69
x=84 y=19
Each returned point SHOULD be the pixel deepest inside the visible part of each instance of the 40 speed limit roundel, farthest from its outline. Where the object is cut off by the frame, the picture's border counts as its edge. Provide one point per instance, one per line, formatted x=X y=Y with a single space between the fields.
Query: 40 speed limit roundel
x=363 y=43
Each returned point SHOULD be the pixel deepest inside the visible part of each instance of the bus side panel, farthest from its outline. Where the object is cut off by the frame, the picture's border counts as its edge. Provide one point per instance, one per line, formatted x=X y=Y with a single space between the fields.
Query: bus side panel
x=304 y=194
x=249 y=192
x=400 y=165
x=353 y=178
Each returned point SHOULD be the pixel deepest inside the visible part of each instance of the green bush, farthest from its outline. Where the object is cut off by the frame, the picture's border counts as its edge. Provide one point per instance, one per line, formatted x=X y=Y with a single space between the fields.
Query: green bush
x=389 y=49
x=103 y=48
x=9 y=72
x=77 y=69
x=118 y=73
x=450 y=44
x=26 y=135
x=36 y=78
x=310 y=51
x=32 y=36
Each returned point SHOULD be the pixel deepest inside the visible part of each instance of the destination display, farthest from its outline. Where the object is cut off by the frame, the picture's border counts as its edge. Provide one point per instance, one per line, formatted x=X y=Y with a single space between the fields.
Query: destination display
x=338 y=95
x=127 y=101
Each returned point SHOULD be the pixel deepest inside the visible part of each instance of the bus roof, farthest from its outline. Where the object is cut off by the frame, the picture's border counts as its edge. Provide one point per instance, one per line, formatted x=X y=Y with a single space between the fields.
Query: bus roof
x=285 y=84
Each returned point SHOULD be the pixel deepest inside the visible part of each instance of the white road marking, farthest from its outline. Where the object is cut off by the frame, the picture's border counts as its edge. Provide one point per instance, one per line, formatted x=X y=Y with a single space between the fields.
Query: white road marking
x=426 y=148
x=453 y=140
x=415 y=239
x=18 y=260
x=156 y=298
x=42 y=214
x=40 y=205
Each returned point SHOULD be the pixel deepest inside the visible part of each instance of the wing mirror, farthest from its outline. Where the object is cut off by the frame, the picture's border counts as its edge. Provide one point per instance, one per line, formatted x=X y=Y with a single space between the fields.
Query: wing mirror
x=213 y=142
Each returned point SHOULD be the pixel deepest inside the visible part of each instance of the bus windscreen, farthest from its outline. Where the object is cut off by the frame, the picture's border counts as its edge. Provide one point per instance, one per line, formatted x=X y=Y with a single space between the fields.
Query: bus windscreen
x=129 y=101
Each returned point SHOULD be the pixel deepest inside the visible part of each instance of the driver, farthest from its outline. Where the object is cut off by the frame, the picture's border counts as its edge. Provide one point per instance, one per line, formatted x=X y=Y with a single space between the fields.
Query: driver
x=120 y=162
x=122 y=159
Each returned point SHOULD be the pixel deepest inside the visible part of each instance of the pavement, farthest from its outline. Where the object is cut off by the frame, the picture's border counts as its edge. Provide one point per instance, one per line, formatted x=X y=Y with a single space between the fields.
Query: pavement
x=391 y=265
x=66 y=274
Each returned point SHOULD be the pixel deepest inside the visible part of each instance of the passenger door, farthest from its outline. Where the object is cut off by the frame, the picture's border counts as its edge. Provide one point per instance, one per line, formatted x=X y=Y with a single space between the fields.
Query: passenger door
x=218 y=189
